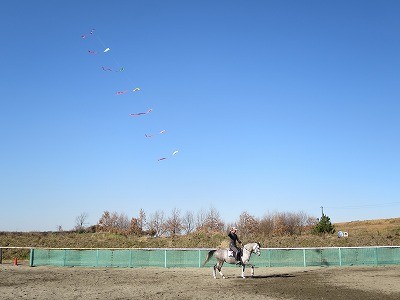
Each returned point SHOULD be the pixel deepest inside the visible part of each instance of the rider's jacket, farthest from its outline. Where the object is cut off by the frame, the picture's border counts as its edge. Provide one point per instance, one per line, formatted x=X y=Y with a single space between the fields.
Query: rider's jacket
x=233 y=238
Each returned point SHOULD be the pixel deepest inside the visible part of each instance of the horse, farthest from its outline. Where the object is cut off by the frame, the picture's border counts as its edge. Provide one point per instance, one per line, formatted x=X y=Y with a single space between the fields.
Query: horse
x=222 y=255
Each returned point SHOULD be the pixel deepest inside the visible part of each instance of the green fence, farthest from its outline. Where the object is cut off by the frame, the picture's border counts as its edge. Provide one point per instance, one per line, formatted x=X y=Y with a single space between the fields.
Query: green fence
x=118 y=257
x=270 y=257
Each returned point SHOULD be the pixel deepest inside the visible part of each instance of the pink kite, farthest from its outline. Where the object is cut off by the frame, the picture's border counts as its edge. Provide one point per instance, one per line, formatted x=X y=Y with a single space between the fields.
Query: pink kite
x=123 y=92
x=141 y=113
x=152 y=135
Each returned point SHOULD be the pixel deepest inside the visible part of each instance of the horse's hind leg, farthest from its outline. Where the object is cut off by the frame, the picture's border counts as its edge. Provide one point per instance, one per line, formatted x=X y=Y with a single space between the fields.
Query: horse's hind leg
x=215 y=271
x=218 y=266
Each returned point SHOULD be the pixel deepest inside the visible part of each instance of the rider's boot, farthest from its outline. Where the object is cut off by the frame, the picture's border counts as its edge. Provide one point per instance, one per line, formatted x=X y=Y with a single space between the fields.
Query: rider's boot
x=238 y=259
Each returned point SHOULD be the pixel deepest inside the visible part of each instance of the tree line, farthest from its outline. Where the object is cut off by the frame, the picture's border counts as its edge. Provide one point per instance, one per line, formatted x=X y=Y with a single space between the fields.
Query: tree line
x=159 y=224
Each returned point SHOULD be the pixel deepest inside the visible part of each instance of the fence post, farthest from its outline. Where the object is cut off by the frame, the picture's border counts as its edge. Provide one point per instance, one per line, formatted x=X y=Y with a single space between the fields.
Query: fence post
x=269 y=257
x=131 y=258
x=31 y=257
x=304 y=258
x=65 y=257
x=97 y=257
x=340 y=256
x=165 y=258
x=1 y=256
x=376 y=256
x=199 y=258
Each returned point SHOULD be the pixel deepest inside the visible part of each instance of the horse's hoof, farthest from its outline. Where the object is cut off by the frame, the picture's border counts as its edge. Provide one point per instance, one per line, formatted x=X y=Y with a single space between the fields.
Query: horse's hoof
x=223 y=277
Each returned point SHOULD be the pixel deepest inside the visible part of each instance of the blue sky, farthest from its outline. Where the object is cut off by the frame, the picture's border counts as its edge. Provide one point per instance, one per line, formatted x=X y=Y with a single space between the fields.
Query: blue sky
x=274 y=106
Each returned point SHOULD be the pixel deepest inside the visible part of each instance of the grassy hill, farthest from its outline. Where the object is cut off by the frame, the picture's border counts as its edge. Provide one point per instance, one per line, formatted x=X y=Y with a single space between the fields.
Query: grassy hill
x=382 y=232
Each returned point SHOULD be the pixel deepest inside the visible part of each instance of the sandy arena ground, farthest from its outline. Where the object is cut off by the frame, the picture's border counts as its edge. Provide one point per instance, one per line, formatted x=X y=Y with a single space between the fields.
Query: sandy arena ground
x=24 y=282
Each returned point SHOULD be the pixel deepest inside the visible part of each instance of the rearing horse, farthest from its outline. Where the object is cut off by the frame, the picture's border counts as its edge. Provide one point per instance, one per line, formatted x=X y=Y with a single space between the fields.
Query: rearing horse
x=222 y=256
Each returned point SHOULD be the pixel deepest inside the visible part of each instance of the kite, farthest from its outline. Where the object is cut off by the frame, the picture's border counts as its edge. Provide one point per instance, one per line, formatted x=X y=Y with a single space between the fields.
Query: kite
x=141 y=113
x=173 y=153
x=100 y=49
x=121 y=92
x=124 y=92
x=152 y=135
x=84 y=36
x=104 y=68
x=95 y=52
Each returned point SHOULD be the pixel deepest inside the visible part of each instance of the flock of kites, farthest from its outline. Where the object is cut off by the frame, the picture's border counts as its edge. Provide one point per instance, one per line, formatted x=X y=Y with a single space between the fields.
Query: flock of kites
x=135 y=90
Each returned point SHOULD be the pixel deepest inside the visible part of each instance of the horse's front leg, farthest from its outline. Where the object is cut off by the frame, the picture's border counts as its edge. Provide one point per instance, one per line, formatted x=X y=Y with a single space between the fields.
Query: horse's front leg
x=252 y=270
x=243 y=268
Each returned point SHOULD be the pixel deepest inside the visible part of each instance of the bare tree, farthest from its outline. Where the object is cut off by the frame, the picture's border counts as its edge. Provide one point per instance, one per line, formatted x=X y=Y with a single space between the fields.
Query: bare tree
x=201 y=218
x=213 y=221
x=305 y=222
x=80 y=221
x=174 y=223
x=266 y=226
x=280 y=223
x=113 y=222
x=188 y=222
x=247 y=224
x=134 y=227
x=293 y=223
x=156 y=223
x=141 y=220
x=122 y=222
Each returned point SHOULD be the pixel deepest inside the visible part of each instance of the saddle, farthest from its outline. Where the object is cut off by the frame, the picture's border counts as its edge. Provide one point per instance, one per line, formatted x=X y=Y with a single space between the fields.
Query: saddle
x=232 y=253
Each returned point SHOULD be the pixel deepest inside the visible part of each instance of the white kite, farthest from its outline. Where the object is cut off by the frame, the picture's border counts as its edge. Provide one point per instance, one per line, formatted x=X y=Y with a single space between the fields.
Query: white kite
x=164 y=158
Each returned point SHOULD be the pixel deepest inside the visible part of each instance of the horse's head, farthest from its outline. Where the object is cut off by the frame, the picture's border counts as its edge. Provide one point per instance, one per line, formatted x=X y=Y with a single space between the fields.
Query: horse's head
x=255 y=247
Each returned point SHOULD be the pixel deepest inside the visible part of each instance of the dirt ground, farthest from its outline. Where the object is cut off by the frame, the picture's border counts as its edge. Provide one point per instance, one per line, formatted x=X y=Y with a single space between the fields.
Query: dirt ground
x=24 y=282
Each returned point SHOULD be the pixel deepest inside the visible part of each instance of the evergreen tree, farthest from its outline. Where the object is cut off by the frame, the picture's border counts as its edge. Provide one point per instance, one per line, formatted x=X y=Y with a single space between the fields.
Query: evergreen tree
x=324 y=225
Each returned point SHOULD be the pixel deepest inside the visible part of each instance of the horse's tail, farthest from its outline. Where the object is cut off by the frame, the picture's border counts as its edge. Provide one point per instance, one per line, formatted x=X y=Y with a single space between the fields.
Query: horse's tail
x=209 y=255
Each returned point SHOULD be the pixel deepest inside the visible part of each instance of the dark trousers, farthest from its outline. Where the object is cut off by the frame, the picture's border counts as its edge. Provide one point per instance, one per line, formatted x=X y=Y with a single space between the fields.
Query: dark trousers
x=236 y=250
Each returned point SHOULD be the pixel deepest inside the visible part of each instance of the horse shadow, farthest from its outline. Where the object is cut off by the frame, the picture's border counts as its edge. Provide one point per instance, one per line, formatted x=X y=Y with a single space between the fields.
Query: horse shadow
x=272 y=276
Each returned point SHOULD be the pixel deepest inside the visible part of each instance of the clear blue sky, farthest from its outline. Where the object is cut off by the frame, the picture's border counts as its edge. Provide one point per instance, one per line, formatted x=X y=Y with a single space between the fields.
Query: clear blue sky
x=274 y=106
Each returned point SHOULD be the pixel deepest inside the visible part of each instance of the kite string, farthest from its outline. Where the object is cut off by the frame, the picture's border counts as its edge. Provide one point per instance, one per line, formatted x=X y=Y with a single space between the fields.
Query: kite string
x=108 y=50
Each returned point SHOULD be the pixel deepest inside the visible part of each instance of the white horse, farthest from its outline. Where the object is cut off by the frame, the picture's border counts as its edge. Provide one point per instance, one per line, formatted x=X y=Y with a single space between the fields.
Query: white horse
x=222 y=255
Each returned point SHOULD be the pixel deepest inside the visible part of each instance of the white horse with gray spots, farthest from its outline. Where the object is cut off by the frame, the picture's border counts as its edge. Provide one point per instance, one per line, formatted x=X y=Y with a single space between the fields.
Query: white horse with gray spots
x=224 y=255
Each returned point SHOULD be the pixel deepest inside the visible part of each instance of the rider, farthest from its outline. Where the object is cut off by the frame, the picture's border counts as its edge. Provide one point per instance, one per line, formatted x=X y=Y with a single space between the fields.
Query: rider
x=232 y=244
